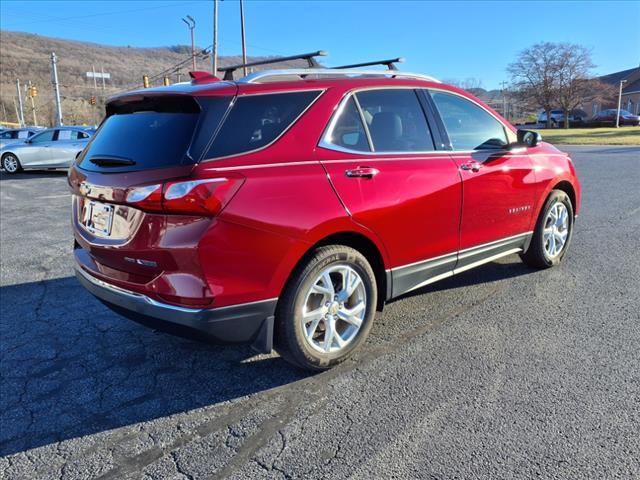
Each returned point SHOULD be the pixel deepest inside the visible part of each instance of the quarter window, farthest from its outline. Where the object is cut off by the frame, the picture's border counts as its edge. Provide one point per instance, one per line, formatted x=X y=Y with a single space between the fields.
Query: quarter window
x=395 y=120
x=257 y=120
x=348 y=131
x=469 y=126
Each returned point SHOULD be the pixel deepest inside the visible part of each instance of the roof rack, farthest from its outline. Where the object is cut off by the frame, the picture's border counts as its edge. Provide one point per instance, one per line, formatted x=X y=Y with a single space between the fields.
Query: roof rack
x=309 y=57
x=265 y=76
x=390 y=64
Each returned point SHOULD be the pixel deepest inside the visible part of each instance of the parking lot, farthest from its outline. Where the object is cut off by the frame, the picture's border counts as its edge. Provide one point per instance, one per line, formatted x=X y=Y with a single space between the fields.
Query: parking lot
x=500 y=372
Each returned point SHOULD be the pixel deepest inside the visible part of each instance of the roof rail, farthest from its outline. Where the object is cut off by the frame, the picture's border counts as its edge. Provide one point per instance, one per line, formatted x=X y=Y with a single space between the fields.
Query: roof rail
x=309 y=57
x=264 y=76
x=390 y=64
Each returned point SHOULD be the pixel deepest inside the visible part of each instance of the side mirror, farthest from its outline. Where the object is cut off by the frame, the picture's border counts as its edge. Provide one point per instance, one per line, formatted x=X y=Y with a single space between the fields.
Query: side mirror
x=28 y=140
x=528 y=138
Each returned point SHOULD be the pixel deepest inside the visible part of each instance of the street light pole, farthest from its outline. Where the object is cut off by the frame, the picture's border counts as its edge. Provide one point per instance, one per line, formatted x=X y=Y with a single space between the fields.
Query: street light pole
x=56 y=88
x=191 y=23
x=214 y=49
x=244 y=45
x=504 y=100
x=622 y=82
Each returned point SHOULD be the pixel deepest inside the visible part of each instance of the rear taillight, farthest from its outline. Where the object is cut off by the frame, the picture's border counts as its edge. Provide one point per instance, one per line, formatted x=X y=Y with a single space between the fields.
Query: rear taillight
x=206 y=196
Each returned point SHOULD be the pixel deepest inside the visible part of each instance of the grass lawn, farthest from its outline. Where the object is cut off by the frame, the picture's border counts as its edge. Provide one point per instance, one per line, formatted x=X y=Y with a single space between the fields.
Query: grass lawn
x=592 y=136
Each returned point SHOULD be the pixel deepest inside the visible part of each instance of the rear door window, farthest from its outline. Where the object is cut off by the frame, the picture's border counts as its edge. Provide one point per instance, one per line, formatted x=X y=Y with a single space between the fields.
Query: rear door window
x=256 y=121
x=395 y=120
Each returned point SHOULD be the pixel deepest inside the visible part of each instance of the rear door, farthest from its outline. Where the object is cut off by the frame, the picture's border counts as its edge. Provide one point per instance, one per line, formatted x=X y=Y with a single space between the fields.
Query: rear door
x=498 y=184
x=67 y=144
x=380 y=156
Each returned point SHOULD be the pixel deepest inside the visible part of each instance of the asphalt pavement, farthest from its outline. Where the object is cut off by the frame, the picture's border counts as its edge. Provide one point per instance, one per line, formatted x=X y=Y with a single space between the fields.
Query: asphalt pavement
x=500 y=372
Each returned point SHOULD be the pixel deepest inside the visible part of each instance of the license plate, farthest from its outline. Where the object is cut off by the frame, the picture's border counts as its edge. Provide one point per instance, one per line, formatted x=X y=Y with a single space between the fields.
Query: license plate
x=98 y=218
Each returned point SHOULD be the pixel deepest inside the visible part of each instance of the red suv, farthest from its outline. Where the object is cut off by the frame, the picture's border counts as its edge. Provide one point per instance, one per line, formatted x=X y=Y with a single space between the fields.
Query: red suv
x=285 y=208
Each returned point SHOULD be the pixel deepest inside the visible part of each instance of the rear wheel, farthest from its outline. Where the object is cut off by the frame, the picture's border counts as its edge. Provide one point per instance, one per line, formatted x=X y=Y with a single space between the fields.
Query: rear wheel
x=553 y=232
x=327 y=308
x=10 y=163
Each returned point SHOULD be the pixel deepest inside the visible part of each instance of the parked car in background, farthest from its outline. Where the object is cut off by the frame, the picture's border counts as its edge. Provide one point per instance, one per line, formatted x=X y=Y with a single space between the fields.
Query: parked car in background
x=51 y=148
x=576 y=118
x=607 y=118
x=285 y=208
x=15 y=135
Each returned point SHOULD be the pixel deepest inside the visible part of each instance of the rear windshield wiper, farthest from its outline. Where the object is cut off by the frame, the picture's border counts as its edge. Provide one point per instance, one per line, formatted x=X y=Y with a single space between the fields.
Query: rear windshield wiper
x=111 y=161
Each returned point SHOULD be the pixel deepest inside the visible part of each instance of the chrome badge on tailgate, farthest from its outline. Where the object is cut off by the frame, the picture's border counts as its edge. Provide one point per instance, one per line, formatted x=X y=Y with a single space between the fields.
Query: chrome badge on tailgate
x=97 y=218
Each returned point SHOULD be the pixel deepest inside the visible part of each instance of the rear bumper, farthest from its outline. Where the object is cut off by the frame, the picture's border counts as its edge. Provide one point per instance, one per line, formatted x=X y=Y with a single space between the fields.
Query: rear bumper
x=244 y=323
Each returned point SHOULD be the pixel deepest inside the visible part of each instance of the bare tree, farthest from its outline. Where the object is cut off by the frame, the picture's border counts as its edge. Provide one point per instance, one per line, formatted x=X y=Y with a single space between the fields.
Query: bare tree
x=574 y=85
x=535 y=76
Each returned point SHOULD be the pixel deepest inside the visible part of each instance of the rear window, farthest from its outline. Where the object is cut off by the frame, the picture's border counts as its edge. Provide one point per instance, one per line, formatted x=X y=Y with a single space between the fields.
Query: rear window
x=255 y=121
x=154 y=132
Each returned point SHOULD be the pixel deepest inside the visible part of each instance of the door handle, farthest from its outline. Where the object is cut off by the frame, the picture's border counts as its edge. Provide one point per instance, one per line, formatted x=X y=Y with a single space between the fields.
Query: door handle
x=473 y=166
x=362 y=172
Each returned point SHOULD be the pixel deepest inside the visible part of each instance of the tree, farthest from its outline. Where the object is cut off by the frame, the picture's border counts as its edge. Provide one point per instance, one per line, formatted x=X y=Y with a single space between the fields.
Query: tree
x=556 y=74
x=574 y=83
x=534 y=75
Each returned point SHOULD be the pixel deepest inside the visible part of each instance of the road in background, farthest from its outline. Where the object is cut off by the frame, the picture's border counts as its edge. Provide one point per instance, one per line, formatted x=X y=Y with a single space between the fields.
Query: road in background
x=500 y=372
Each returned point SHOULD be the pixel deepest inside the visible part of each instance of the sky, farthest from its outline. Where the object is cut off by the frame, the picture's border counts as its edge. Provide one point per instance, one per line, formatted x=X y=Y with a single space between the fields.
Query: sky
x=448 y=40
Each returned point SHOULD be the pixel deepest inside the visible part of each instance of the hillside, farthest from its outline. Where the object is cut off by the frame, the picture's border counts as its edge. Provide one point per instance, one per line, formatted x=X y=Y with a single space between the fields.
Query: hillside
x=27 y=57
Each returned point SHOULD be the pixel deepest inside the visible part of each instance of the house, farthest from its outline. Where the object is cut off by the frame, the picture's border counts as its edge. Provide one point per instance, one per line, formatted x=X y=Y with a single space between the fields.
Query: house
x=630 y=92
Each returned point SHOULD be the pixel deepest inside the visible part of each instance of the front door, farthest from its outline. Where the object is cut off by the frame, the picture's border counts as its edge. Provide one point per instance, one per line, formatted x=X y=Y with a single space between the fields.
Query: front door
x=38 y=152
x=380 y=157
x=498 y=184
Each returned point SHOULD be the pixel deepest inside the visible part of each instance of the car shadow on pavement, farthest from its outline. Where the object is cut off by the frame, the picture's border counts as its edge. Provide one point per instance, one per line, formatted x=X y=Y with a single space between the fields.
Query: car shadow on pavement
x=70 y=367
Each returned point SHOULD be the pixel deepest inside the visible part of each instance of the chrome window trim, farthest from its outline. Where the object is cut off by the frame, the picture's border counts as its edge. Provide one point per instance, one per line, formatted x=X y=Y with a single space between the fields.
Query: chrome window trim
x=320 y=91
x=324 y=139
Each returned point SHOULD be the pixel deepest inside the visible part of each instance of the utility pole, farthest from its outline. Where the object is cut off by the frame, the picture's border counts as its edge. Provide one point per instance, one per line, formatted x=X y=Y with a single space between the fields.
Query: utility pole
x=244 y=45
x=56 y=88
x=191 y=23
x=21 y=114
x=504 y=100
x=95 y=84
x=622 y=82
x=214 y=50
x=33 y=104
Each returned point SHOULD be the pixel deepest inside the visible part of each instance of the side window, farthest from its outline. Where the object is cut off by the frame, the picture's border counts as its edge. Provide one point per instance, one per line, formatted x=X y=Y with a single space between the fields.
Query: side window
x=65 y=134
x=257 y=120
x=469 y=126
x=6 y=135
x=348 y=130
x=43 y=137
x=395 y=120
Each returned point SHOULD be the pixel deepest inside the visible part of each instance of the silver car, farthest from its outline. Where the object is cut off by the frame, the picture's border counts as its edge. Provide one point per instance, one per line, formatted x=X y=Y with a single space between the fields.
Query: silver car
x=15 y=135
x=51 y=148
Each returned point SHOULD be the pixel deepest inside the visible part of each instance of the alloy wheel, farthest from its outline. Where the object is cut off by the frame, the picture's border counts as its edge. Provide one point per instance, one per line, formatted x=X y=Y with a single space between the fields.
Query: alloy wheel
x=10 y=164
x=335 y=307
x=556 y=229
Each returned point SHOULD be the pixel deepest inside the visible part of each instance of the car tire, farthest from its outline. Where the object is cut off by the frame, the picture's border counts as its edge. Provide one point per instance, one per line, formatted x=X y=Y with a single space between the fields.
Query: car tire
x=319 y=322
x=10 y=163
x=553 y=232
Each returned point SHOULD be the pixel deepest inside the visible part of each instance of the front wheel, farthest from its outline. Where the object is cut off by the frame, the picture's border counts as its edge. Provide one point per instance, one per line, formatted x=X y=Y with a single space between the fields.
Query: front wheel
x=553 y=232
x=10 y=163
x=326 y=309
